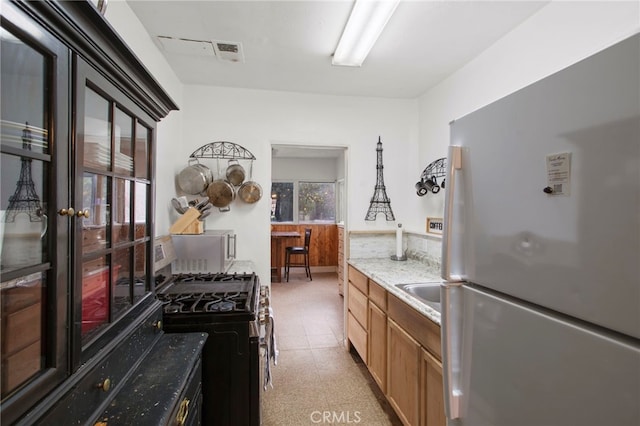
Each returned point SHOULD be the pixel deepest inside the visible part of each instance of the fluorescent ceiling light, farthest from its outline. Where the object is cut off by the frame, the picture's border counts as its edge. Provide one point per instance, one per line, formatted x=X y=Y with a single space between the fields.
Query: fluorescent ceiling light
x=365 y=24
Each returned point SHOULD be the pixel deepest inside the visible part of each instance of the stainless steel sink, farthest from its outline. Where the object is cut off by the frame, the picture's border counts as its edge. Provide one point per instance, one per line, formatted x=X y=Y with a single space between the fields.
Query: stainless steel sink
x=428 y=292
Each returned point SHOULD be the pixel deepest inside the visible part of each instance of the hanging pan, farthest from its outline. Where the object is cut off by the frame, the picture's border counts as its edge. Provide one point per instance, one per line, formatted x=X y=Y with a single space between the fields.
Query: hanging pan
x=235 y=173
x=194 y=178
x=250 y=192
x=221 y=194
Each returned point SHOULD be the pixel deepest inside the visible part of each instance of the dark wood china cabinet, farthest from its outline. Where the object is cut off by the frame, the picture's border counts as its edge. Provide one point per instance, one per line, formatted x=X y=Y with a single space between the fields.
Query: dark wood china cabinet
x=78 y=123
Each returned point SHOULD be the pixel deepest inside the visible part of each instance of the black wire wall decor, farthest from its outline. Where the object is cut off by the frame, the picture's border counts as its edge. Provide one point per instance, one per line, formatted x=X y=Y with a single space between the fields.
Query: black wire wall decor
x=380 y=203
x=223 y=149
x=429 y=178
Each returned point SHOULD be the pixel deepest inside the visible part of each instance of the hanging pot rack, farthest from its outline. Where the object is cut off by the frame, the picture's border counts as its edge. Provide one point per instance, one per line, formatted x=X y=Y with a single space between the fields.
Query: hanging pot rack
x=223 y=149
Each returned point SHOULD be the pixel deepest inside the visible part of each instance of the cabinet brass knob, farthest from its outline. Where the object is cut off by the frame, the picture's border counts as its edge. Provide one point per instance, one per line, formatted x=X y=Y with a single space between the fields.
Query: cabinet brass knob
x=183 y=412
x=67 y=212
x=105 y=385
x=83 y=213
x=158 y=325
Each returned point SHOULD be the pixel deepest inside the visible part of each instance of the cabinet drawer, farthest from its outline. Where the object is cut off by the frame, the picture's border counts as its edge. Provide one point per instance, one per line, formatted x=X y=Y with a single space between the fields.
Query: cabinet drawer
x=378 y=295
x=358 y=305
x=425 y=331
x=358 y=279
x=81 y=400
x=21 y=365
x=22 y=328
x=165 y=389
x=358 y=336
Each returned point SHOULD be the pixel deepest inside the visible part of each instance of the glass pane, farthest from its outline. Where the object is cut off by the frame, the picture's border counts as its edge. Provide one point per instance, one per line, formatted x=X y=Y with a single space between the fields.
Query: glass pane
x=141 y=210
x=23 y=222
x=282 y=202
x=140 y=277
x=123 y=158
x=23 y=339
x=142 y=152
x=317 y=202
x=23 y=95
x=95 y=198
x=97 y=131
x=122 y=211
x=122 y=287
x=95 y=296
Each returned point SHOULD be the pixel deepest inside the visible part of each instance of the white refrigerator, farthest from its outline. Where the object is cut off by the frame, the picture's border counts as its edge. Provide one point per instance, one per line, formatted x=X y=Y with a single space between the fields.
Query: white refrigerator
x=541 y=252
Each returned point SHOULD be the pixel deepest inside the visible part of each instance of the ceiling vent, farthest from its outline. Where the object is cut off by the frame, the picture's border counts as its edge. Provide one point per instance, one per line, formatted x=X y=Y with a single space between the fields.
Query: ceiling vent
x=228 y=51
x=183 y=46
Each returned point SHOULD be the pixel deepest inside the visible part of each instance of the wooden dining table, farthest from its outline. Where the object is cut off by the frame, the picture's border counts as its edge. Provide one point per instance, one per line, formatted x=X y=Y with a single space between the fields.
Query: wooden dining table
x=279 y=238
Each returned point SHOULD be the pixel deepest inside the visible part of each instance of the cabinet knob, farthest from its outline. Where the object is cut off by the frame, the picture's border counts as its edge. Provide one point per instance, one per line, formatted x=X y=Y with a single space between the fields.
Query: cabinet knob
x=67 y=212
x=157 y=325
x=105 y=385
x=83 y=213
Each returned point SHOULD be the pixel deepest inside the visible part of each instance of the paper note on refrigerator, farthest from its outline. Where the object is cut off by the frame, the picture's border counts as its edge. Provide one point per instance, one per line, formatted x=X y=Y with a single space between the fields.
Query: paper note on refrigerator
x=559 y=173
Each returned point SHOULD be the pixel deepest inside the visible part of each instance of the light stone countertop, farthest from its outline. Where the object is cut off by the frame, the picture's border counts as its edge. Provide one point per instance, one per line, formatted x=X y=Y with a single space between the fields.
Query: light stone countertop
x=388 y=273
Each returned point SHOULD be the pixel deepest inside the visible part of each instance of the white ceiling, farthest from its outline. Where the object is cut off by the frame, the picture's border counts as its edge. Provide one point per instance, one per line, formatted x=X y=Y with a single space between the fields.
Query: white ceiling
x=287 y=45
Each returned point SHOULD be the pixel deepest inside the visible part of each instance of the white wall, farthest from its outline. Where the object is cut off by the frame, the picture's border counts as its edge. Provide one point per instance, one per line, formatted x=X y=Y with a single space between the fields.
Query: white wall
x=257 y=119
x=559 y=35
x=169 y=130
x=414 y=132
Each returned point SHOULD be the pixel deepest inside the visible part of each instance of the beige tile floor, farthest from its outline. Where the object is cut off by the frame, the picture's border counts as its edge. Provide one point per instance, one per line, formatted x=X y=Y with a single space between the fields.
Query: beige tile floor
x=317 y=381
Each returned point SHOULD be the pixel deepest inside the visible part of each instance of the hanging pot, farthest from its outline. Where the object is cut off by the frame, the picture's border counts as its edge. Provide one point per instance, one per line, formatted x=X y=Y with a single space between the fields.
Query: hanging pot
x=221 y=194
x=195 y=178
x=235 y=173
x=250 y=192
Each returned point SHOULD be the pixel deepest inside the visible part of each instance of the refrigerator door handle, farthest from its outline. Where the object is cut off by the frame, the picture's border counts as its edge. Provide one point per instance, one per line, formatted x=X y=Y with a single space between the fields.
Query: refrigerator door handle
x=451 y=325
x=455 y=163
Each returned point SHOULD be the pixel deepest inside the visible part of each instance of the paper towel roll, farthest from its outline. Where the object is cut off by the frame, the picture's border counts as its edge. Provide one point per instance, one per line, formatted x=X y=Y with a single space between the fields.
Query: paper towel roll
x=399 y=241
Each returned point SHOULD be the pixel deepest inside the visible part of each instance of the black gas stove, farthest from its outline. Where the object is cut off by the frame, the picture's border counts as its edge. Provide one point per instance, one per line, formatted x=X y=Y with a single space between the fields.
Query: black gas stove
x=225 y=306
x=191 y=295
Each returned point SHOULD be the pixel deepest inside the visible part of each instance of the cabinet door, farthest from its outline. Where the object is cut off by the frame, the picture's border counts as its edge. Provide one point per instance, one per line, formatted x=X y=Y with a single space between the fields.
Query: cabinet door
x=432 y=398
x=33 y=238
x=378 y=345
x=113 y=193
x=403 y=374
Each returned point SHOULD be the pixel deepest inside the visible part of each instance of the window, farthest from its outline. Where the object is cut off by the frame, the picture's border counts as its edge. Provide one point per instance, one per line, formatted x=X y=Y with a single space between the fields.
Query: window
x=313 y=202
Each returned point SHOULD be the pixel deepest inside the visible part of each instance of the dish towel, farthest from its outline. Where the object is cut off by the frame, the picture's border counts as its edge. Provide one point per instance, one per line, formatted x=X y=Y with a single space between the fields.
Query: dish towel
x=270 y=349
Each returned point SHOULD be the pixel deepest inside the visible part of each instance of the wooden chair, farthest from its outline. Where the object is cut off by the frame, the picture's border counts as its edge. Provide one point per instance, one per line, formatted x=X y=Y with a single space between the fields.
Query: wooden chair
x=304 y=251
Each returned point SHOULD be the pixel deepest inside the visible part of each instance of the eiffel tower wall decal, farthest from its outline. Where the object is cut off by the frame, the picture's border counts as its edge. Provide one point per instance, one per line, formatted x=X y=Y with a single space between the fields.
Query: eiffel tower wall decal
x=380 y=203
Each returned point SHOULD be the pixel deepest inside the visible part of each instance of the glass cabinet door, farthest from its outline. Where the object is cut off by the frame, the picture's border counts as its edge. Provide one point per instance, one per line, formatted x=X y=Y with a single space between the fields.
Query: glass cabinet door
x=113 y=158
x=32 y=235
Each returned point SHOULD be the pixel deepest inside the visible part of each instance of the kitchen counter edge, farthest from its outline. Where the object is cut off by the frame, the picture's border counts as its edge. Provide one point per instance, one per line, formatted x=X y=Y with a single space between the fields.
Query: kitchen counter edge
x=388 y=273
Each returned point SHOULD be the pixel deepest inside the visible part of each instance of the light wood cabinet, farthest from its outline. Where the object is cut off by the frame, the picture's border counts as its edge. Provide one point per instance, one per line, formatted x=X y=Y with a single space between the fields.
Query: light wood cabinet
x=401 y=348
x=340 y=259
x=432 y=397
x=357 y=319
x=377 y=335
x=403 y=372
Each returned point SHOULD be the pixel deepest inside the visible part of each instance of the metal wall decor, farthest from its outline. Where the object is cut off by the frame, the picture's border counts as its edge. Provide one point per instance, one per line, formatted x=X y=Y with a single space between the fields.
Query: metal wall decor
x=380 y=203
x=429 y=178
x=223 y=149
x=234 y=180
